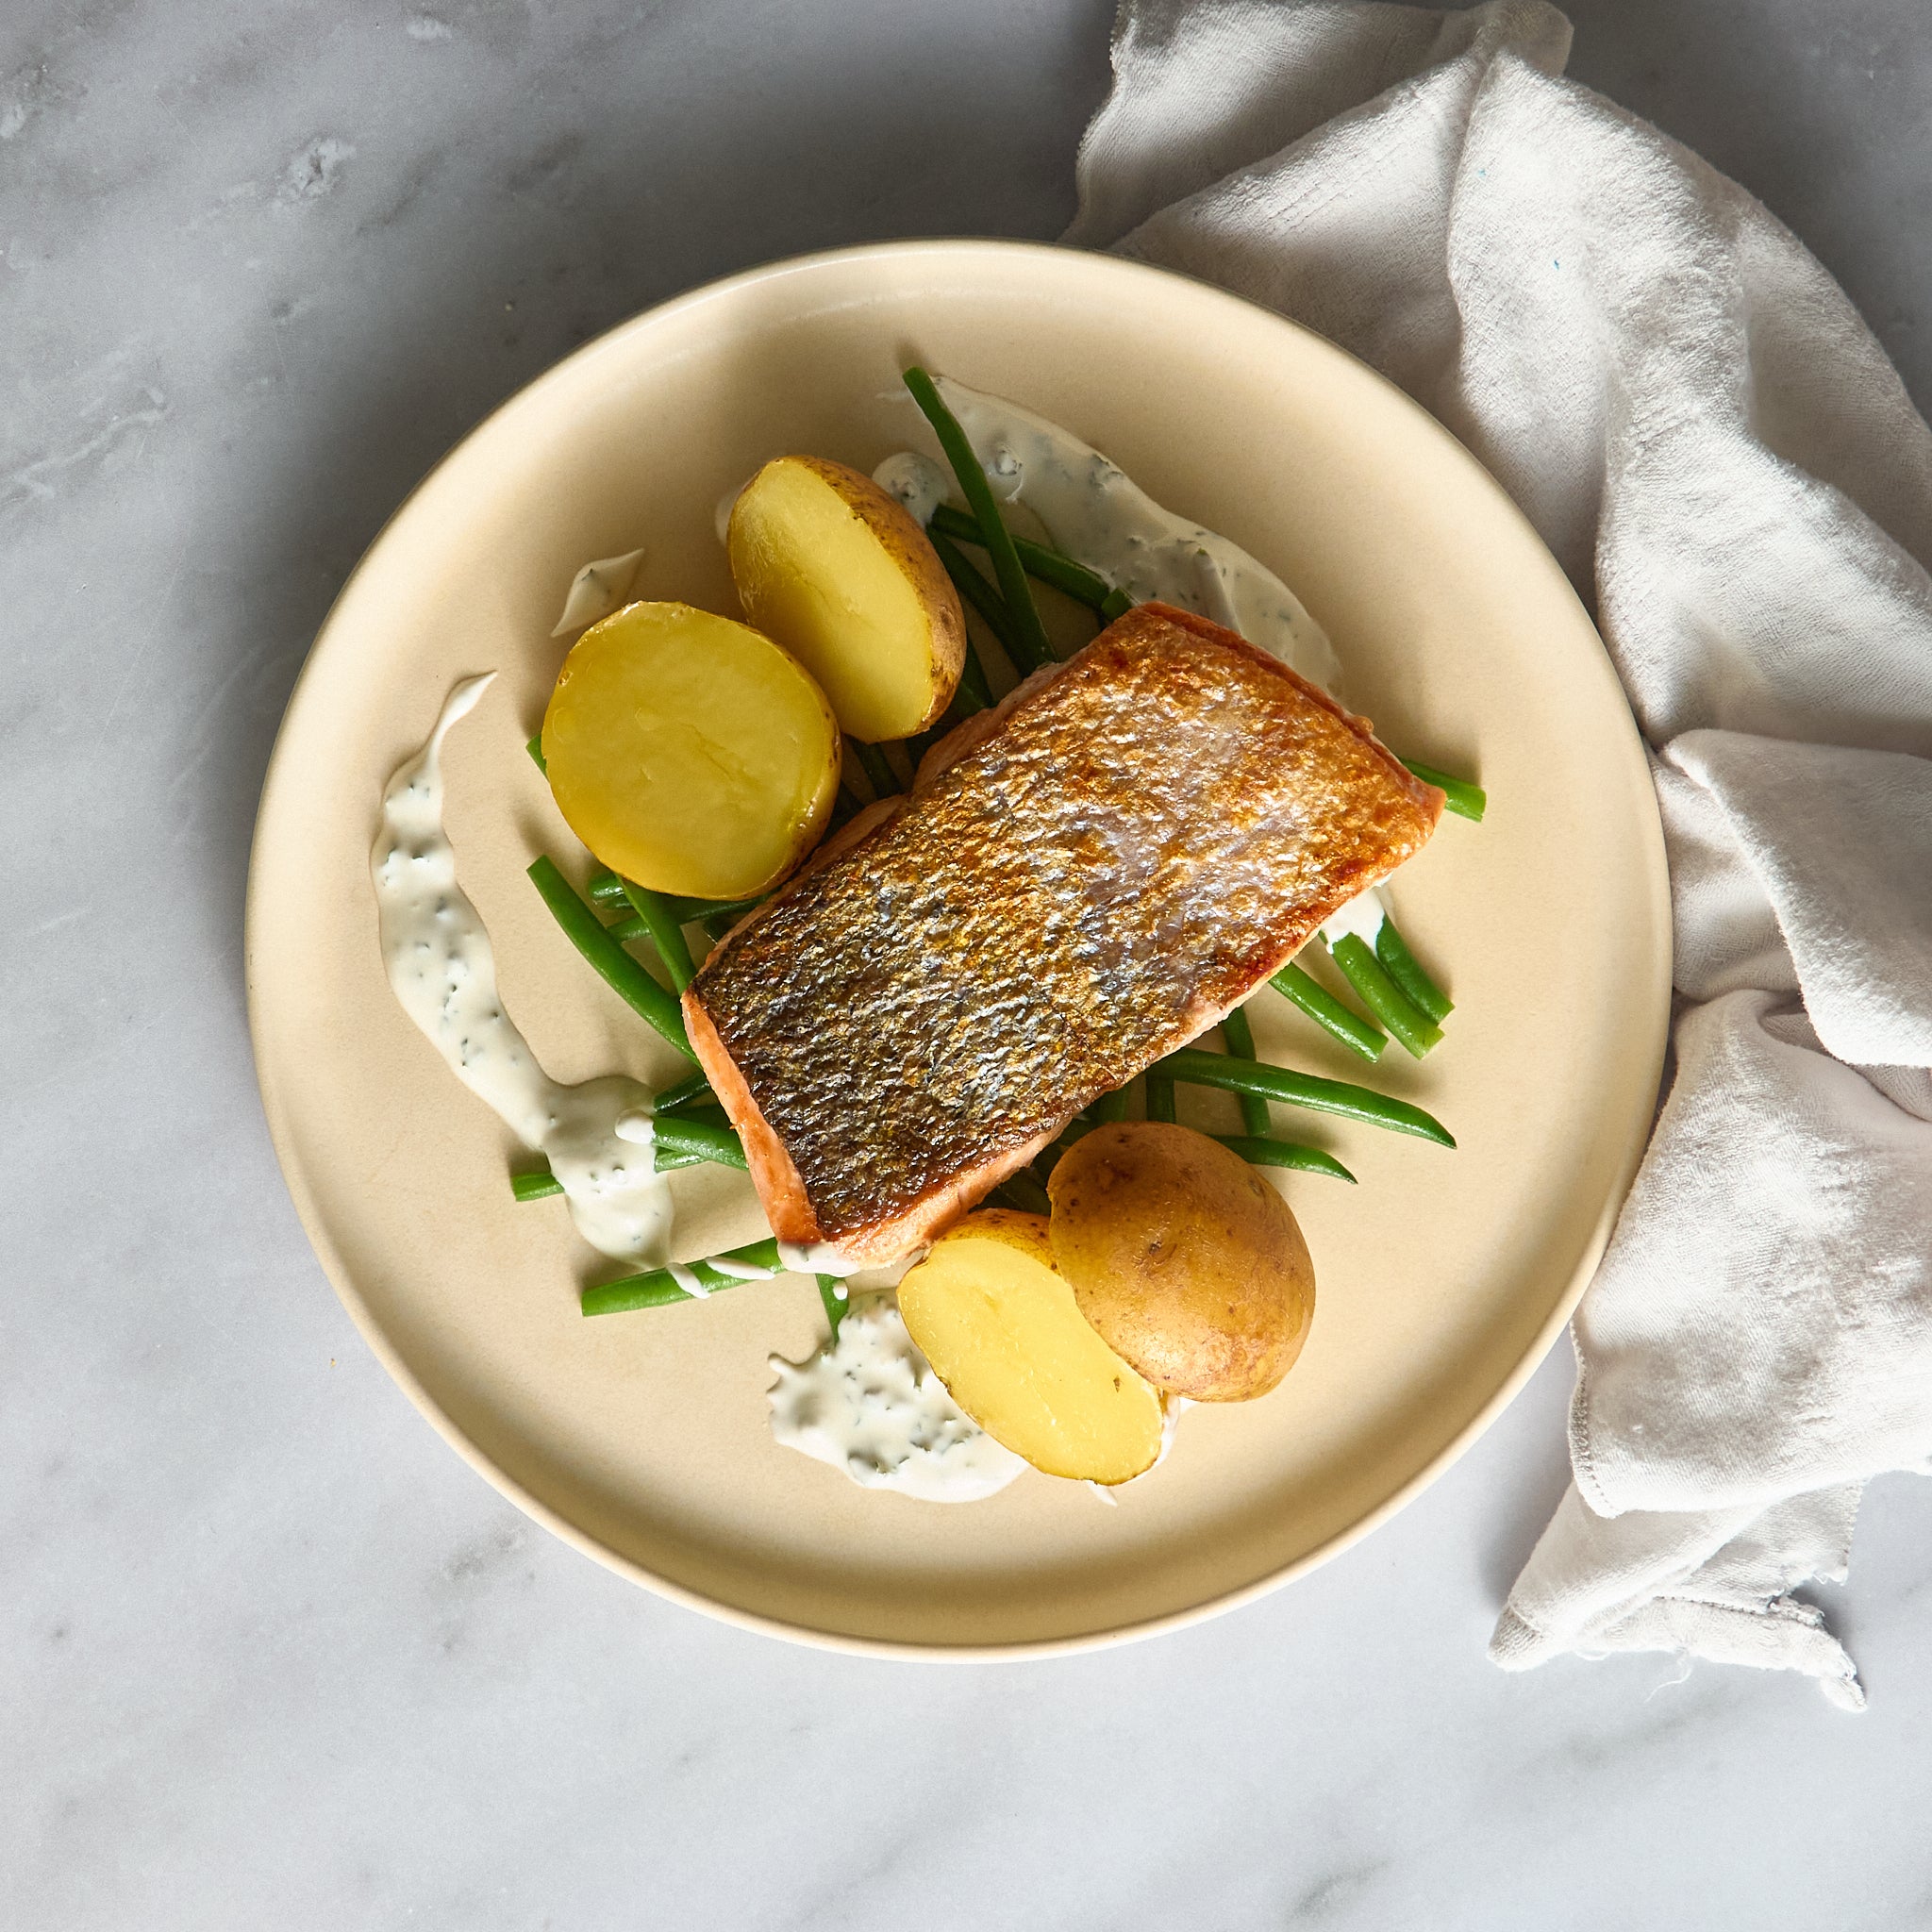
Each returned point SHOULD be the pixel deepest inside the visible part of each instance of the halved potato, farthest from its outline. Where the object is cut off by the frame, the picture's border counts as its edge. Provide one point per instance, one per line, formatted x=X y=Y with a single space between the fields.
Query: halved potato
x=689 y=753
x=999 y=1326
x=1183 y=1258
x=842 y=577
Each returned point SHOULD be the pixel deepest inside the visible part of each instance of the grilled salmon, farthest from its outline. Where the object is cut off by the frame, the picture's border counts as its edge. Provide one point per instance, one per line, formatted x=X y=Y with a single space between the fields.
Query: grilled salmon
x=1080 y=881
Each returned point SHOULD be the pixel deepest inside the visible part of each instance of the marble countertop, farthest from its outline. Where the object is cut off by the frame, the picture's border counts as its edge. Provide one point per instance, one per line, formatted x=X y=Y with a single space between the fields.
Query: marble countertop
x=273 y=1655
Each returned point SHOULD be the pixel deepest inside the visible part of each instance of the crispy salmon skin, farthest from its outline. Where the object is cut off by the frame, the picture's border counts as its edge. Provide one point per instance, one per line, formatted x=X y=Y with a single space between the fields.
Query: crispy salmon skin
x=1144 y=835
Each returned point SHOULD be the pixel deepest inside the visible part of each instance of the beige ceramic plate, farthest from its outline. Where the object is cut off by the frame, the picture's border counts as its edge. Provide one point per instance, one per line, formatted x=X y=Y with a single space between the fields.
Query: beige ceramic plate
x=1443 y=1276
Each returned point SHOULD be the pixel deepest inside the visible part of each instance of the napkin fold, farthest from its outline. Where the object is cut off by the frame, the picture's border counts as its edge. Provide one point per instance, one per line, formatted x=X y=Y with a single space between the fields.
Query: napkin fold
x=1711 y=442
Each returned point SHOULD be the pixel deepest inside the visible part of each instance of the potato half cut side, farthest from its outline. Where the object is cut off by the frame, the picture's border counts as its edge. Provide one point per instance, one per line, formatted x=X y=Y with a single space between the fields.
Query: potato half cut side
x=1183 y=1258
x=843 y=575
x=1000 y=1328
x=689 y=753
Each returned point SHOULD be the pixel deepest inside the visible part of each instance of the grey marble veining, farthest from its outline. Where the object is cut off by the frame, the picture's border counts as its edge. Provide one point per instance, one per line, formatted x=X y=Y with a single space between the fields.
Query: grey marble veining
x=270 y=1656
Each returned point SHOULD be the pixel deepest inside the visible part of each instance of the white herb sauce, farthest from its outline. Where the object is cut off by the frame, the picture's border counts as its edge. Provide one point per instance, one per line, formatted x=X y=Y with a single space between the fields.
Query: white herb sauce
x=443 y=972
x=872 y=1406
x=596 y=591
x=1362 y=916
x=819 y=1258
x=921 y=484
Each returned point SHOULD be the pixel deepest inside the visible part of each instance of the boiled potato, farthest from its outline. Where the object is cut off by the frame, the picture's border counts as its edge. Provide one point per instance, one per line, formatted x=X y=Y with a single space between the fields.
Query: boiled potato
x=842 y=577
x=989 y=1311
x=1183 y=1258
x=689 y=753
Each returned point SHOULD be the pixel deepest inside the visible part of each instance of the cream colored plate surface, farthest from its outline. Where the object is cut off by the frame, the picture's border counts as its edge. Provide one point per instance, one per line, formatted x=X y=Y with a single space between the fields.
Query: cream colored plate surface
x=1443 y=1276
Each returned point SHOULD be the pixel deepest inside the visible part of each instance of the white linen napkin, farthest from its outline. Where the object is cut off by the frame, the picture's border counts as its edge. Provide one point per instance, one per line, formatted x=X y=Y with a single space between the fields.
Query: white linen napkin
x=1712 y=444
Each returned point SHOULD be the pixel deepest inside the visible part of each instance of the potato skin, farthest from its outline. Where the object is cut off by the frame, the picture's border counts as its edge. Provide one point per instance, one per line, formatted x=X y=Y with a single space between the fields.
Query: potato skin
x=904 y=542
x=1032 y=1234
x=1186 y=1261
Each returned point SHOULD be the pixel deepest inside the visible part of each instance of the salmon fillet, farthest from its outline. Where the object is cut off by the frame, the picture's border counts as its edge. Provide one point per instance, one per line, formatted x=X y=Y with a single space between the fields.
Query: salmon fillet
x=1079 y=882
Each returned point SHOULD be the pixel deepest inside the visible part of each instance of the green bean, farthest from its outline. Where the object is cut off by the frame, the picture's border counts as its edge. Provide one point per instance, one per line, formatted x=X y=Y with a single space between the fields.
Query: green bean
x=658 y=1288
x=669 y=1157
x=1459 y=795
x=633 y=928
x=694 y=912
x=535 y=748
x=693 y=1090
x=979 y=500
x=1406 y=970
x=1263 y=1150
x=1051 y=1155
x=973 y=684
x=1118 y=604
x=987 y=601
x=623 y=973
x=1326 y=1012
x=1050 y=566
x=832 y=1293
x=1110 y=1106
x=703 y=1140
x=607 y=893
x=872 y=761
x=666 y=934
x=1159 y=1096
x=1239 y=1038
x=1022 y=1190
x=955 y=714
x=895 y=754
x=1383 y=997
x=1303 y=1090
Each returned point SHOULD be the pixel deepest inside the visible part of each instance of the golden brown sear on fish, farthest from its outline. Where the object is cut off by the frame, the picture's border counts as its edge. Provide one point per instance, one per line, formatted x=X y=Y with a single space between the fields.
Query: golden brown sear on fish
x=1079 y=882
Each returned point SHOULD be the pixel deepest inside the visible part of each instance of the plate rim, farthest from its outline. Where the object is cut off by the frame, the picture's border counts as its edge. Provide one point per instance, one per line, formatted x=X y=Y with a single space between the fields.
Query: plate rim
x=321 y=1241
